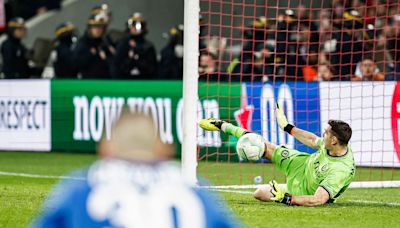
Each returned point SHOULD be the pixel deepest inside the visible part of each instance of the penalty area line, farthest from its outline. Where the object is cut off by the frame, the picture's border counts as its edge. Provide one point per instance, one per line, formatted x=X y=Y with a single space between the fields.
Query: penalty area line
x=378 y=203
x=373 y=202
x=232 y=191
x=39 y=176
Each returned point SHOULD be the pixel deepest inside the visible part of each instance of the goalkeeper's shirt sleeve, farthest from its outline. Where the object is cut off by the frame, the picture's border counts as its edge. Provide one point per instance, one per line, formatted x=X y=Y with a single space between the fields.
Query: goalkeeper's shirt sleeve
x=335 y=183
x=320 y=143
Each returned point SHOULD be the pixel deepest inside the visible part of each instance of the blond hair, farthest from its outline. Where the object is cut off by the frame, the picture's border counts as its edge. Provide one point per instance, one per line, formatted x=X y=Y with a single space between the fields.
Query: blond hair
x=134 y=137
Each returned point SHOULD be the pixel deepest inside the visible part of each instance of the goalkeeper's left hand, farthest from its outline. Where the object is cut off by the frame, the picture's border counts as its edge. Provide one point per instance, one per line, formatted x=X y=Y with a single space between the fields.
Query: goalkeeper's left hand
x=211 y=124
x=279 y=195
x=282 y=120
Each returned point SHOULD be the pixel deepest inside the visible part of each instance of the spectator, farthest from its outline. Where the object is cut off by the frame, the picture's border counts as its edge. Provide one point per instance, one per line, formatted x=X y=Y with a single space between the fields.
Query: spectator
x=14 y=53
x=381 y=18
x=136 y=56
x=338 y=9
x=254 y=35
x=64 y=65
x=324 y=73
x=286 y=34
x=371 y=12
x=302 y=13
x=265 y=61
x=203 y=34
x=325 y=26
x=368 y=72
x=393 y=42
x=171 y=65
x=133 y=185
x=287 y=46
x=208 y=68
x=310 y=73
x=369 y=35
x=349 y=46
x=305 y=56
x=389 y=42
x=360 y=7
x=92 y=54
x=379 y=51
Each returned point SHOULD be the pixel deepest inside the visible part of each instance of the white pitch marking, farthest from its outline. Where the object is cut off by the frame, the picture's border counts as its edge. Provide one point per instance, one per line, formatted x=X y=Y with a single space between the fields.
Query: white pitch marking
x=373 y=202
x=358 y=184
x=39 y=176
x=232 y=191
x=225 y=188
x=351 y=201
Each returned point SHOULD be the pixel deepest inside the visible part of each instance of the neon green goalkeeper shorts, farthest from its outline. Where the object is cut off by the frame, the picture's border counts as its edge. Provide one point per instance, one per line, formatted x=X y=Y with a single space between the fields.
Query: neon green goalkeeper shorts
x=293 y=164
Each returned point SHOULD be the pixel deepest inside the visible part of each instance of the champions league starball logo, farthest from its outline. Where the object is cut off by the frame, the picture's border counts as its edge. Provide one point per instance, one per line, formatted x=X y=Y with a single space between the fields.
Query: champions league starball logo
x=396 y=119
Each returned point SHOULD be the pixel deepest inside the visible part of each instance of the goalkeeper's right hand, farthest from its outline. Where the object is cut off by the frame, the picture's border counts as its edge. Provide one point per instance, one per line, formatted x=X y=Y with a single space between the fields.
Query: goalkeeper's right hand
x=211 y=124
x=279 y=195
x=282 y=121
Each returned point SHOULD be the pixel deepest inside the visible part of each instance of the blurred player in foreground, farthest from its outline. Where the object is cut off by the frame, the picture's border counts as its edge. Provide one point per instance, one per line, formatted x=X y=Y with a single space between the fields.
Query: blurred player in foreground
x=312 y=179
x=134 y=184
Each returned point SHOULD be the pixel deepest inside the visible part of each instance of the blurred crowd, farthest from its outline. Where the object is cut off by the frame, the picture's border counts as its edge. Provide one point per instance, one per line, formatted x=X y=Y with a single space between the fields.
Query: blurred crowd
x=28 y=8
x=350 y=40
x=99 y=53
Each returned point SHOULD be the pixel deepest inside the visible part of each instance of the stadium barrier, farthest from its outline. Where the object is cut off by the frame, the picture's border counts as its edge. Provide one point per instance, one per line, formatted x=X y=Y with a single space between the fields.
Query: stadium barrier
x=25 y=115
x=72 y=115
x=83 y=110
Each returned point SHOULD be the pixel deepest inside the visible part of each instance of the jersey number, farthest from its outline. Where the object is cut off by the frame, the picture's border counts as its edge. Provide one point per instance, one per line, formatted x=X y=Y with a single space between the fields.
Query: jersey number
x=161 y=206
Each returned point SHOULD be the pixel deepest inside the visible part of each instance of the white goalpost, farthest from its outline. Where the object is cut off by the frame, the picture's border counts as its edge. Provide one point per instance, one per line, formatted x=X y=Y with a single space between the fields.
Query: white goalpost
x=190 y=88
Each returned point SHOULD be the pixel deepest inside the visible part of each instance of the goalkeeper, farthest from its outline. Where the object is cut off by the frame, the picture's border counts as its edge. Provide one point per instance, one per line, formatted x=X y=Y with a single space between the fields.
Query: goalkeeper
x=312 y=179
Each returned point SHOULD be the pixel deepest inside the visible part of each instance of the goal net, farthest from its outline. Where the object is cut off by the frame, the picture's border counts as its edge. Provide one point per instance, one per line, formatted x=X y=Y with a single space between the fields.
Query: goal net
x=321 y=59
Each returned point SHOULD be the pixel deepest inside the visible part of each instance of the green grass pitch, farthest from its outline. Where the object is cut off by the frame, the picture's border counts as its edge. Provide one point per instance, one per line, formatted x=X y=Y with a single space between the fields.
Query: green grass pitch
x=21 y=197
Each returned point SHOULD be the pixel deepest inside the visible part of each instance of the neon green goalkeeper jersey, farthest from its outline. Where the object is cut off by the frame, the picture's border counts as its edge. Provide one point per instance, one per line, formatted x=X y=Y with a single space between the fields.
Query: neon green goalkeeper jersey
x=306 y=172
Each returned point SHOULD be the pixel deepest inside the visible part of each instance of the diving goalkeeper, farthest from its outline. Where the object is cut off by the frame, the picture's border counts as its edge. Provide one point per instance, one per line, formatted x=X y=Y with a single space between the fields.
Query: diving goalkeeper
x=312 y=179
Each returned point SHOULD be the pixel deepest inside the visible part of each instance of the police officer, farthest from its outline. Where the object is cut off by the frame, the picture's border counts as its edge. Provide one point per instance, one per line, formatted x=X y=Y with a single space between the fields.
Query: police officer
x=112 y=36
x=14 y=53
x=102 y=9
x=92 y=54
x=349 y=47
x=64 y=65
x=171 y=65
x=136 y=56
x=242 y=68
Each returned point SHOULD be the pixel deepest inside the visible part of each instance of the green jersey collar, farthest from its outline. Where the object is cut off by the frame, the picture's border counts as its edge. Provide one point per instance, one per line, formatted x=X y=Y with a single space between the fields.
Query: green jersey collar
x=347 y=151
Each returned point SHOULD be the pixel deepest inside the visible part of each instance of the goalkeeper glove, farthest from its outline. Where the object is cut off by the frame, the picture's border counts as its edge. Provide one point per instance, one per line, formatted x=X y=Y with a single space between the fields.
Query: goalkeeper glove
x=211 y=124
x=279 y=195
x=282 y=121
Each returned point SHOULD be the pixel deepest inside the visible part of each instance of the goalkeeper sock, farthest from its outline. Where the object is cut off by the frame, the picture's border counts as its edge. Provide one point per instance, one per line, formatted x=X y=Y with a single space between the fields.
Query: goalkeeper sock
x=231 y=129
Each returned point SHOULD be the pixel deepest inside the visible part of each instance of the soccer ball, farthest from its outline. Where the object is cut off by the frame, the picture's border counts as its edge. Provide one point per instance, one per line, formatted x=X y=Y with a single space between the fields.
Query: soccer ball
x=250 y=147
